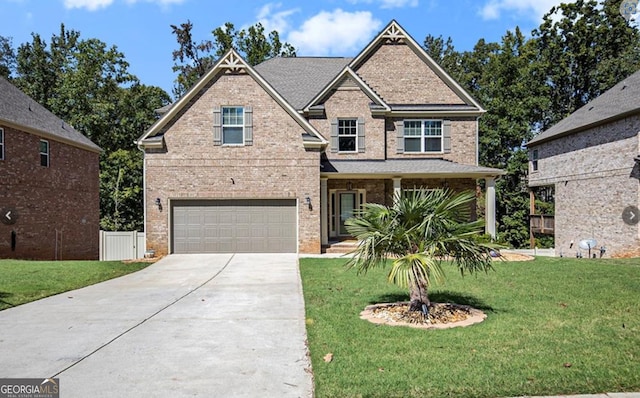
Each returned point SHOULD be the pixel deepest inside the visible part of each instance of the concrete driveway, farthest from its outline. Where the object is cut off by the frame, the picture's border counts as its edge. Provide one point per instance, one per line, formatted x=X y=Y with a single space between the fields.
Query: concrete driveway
x=219 y=325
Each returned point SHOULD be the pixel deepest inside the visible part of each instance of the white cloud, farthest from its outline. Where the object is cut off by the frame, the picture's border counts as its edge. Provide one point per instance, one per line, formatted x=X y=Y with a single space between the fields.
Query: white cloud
x=90 y=5
x=389 y=3
x=273 y=19
x=334 y=33
x=535 y=8
x=93 y=5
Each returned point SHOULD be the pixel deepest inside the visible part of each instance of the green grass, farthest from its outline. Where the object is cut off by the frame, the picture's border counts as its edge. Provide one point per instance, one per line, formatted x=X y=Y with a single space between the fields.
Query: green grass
x=542 y=315
x=24 y=281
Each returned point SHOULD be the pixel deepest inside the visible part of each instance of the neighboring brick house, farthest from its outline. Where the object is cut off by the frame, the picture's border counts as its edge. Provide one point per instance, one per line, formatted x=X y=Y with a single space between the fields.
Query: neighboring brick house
x=591 y=160
x=49 y=187
x=274 y=158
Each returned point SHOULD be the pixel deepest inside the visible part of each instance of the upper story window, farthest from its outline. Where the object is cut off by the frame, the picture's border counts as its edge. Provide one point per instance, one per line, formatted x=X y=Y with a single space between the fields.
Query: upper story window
x=1 y=144
x=347 y=135
x=233 y=125
x=534 y=160
x=423 y=136
x=44 y=153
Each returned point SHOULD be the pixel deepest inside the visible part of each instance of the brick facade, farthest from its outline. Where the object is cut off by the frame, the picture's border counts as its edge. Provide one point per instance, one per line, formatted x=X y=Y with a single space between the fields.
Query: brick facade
x=399 y=76
x=58 y=206
x=276 y=166
x=595 y=179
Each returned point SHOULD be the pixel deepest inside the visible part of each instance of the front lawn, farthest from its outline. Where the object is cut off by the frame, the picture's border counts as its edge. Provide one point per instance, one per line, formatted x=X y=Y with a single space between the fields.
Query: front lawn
x=554 y=326
x=24 y=281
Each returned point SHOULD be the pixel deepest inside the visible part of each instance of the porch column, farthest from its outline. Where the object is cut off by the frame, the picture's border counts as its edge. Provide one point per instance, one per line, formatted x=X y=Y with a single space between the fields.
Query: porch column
x=324 y=206
x=397 y=188
x=490 y=207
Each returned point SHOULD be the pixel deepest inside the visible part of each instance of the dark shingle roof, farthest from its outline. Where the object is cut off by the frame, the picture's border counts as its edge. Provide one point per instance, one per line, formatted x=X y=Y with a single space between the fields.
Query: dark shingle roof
x=621 y=100
x=19 y=109
x=299 y=79
x=404 y=167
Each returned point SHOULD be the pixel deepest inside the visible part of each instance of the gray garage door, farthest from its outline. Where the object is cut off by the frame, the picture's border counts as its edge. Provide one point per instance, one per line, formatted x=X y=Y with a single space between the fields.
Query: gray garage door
x=234 y=226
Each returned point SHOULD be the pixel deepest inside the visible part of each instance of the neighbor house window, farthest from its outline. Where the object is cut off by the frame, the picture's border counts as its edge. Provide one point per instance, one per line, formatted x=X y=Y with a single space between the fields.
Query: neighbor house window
x=347 y=135
x=534 y=160
x=1 y=144
x=44 y=153
x=423 y=136
x=233 y=125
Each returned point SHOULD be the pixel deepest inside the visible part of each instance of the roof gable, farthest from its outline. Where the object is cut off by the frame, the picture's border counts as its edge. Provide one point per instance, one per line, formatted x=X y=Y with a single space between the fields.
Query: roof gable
x=347 y=74
x=620 y=101
x=233 y=63
x=21 y=112
x=393 y=33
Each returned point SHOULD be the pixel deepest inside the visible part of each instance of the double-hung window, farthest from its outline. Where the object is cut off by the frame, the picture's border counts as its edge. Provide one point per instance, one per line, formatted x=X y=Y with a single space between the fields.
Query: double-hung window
x=1 y=144
x=534 y=160
x=232 y=125
x=347 y=135
x=423 y=136
x=44 y=153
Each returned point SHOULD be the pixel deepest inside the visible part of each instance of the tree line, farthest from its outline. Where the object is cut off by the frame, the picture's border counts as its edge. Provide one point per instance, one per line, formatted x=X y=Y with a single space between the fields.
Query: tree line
x=526 y=83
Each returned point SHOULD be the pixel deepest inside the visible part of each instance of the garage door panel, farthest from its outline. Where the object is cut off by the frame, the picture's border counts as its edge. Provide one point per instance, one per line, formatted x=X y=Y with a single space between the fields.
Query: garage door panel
x=226 y=226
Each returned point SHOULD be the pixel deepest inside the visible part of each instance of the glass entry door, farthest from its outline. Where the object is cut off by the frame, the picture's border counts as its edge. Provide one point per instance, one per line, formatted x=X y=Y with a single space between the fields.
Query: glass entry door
x=347 y=207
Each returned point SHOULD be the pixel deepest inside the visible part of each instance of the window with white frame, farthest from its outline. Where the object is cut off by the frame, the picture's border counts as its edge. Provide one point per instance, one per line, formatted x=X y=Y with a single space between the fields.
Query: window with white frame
x=1 y=144
x=44 y=153
x=347 y=135
x=232 y=125
x=423 y=136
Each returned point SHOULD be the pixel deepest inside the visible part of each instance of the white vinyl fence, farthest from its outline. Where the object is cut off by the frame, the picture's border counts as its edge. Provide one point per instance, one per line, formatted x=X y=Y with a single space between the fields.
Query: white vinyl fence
x=121 y=245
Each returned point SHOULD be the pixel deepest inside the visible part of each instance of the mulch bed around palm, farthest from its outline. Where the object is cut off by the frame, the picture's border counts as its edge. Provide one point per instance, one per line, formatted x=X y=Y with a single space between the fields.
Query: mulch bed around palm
x=440 y=315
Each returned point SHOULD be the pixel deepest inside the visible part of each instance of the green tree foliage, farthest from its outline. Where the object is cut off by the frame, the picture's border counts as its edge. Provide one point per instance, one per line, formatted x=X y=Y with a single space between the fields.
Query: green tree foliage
x=419 y=232
x=580 y=50
x=193 y=59
x=121 y=190
x=87 y=84
x=584 y=49
x=7 y=57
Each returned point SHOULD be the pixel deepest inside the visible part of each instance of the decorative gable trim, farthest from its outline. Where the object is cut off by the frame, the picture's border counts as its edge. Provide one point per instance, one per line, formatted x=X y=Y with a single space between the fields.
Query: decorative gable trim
x=354 y=81
x=232 y=62
x=395 y=33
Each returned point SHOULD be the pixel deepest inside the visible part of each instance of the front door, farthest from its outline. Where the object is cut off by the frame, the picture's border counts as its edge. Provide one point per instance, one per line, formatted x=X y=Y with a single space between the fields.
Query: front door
x=347 y=207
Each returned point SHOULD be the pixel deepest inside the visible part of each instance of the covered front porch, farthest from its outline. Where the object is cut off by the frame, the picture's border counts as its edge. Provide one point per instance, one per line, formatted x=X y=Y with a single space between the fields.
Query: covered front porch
x=346 y=185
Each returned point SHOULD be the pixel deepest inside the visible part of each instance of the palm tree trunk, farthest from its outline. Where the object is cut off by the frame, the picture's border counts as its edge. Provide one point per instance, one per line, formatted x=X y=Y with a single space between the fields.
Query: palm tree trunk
x=418 y=296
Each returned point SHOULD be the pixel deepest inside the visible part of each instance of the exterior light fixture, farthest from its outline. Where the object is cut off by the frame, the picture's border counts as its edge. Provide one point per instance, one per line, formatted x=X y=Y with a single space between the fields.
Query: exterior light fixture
x=308 y=202
x=159 y=204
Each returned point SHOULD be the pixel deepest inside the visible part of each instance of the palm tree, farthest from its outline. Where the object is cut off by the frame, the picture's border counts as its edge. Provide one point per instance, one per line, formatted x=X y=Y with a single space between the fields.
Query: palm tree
x=417 y=234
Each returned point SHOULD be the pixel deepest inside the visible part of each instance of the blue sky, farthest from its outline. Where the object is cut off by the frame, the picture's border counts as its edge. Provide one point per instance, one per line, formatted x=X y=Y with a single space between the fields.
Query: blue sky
x=141 y=28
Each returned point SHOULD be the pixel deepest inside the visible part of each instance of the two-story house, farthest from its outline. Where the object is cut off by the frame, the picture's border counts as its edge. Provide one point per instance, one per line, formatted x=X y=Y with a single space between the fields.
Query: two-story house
x=275 y=158
x=590 y=160
x=49 y=183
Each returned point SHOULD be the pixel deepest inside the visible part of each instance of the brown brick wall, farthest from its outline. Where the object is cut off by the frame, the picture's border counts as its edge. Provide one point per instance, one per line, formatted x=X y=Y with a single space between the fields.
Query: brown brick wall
x=58 y=207
x=380 y=134
x=399 y=76
x=463 y=142
x=275 y=166
x=595 y=179
x=353 y=103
